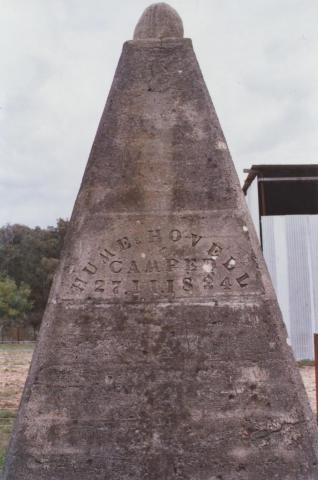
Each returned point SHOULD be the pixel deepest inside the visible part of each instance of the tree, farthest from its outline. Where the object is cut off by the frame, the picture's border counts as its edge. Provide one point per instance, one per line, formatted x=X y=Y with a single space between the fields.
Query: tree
x=31 y=256
x=14 y=302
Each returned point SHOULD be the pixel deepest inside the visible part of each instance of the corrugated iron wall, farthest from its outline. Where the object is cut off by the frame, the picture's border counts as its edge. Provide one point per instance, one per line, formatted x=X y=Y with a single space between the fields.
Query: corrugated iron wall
x=290 y=246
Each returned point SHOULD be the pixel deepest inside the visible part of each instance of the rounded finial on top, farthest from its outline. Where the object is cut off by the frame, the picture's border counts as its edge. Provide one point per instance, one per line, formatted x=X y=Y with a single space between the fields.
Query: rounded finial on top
x=159 y=20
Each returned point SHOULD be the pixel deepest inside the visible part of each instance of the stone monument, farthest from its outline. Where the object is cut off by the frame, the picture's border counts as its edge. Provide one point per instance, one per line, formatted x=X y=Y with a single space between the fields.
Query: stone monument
x=162 y=354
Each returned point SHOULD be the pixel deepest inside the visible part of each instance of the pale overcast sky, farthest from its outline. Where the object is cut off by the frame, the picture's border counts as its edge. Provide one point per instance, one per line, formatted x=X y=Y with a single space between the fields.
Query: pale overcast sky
x=58 y=58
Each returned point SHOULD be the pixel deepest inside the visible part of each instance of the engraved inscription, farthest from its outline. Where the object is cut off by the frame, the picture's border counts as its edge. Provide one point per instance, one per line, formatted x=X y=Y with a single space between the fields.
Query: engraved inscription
x=175 y=235
x=106 y=254
x=242 y=281
x=215 y=250
x=79 y=284
x=124 y=243
x=195 y=239
x=230 y=264
x=90 y=268
x=157 y=263
x=99 y=285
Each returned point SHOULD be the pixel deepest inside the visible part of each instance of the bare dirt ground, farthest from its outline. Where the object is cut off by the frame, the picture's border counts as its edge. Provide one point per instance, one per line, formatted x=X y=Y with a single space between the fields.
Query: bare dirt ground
x=14 y=365
x=308 y=376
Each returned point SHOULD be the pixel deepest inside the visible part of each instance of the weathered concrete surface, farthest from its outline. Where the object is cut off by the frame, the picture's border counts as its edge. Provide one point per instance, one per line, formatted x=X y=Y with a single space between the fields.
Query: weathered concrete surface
x=159 y=21
x=162 y=354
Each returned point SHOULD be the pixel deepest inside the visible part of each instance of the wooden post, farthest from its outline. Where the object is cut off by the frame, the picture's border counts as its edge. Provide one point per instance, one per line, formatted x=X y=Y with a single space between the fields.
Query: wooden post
x=316 y=370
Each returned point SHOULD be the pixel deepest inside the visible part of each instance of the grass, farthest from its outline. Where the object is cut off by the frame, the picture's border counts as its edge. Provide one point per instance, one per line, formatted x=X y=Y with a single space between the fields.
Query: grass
x=14 y=364
x=306 y=363
x=14 y=347
x=6 y=423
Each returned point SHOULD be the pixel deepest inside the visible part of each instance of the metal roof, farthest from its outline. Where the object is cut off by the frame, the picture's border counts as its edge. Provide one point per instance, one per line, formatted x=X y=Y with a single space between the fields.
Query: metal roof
x=275 y=171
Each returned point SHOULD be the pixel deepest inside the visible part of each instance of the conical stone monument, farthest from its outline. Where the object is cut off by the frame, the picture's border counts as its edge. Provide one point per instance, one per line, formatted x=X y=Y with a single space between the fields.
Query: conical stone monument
x=162 y=354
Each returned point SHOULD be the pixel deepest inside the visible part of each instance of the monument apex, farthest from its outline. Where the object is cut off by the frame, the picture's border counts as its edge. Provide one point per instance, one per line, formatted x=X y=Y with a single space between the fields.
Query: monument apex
x=159 y=20
x=162 y=352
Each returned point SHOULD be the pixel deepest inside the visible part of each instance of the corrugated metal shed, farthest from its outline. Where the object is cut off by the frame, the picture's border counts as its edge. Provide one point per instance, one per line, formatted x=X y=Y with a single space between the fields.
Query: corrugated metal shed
x=290 y=243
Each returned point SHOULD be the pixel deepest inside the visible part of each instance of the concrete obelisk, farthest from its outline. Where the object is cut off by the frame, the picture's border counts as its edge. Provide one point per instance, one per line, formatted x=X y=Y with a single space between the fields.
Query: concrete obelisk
x=162 y=353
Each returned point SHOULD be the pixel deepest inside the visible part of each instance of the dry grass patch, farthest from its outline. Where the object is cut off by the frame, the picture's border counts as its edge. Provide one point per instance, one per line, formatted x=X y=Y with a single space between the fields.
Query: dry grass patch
x=14 y=365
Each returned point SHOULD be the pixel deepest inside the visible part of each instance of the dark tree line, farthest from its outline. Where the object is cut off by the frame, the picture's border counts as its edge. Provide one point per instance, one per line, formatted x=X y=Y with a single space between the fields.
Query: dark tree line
x=28 y=261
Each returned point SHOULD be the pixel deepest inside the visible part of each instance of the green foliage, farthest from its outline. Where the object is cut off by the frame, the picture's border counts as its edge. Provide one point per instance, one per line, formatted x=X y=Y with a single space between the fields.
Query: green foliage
x=14 y=302
x=29 y=256
x=306 y=363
